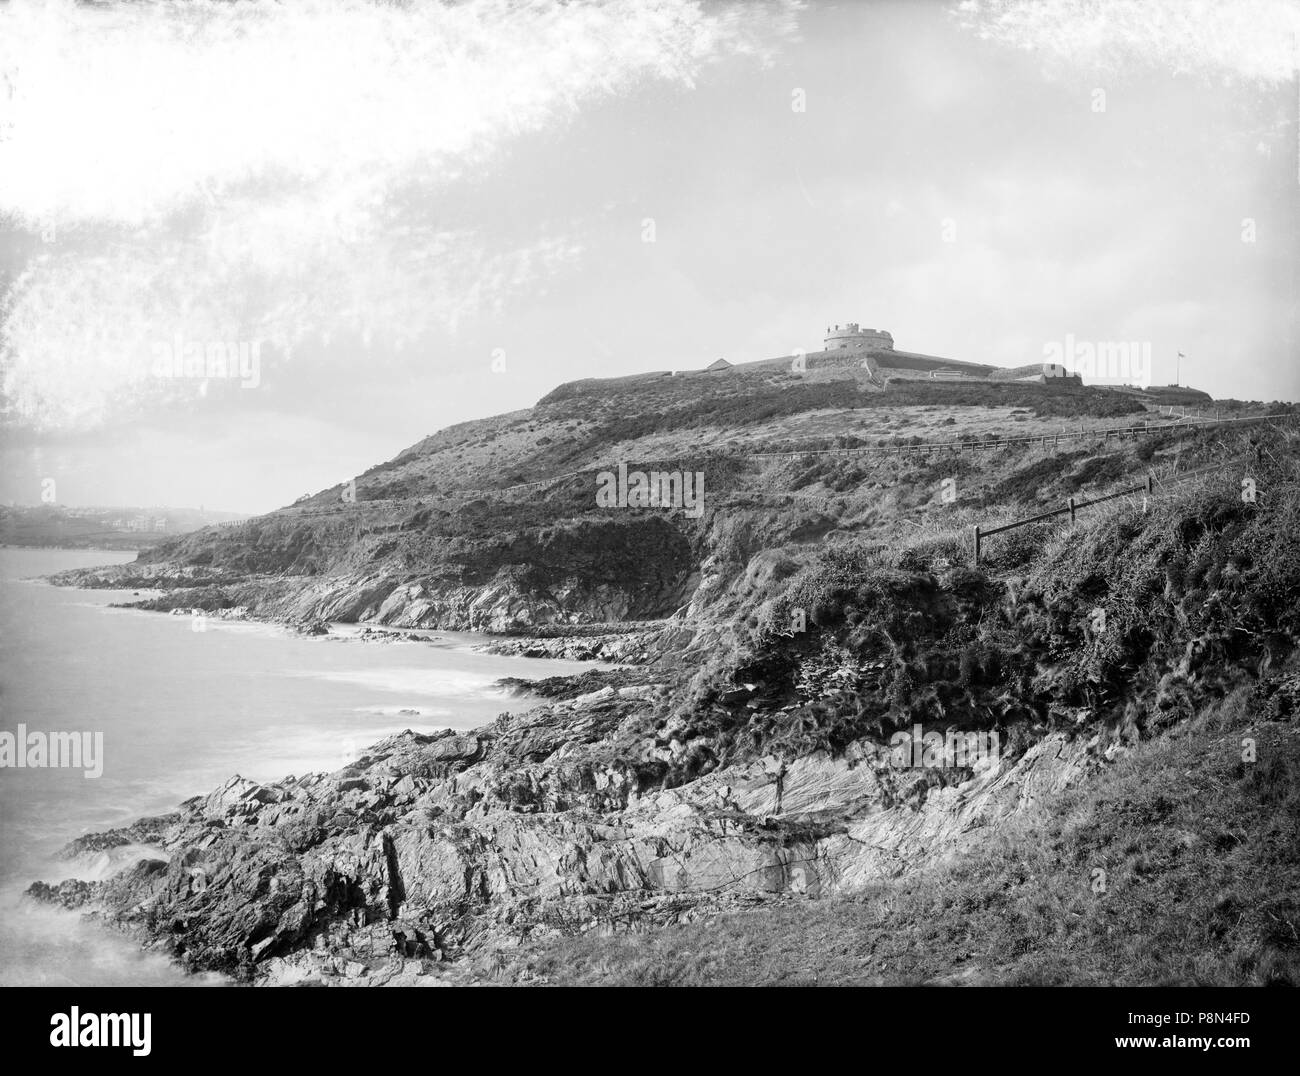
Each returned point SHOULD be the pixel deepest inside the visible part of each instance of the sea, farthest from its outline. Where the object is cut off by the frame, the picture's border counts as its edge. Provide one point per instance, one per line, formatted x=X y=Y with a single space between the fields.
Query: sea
x=180 y=705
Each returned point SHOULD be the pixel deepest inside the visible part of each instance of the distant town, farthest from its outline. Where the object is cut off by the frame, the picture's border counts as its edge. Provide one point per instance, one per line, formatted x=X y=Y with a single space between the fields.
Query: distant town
x=89 y=527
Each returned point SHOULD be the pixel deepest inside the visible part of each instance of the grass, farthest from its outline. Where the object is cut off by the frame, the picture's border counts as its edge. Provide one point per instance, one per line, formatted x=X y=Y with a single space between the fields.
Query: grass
x=1201 y=885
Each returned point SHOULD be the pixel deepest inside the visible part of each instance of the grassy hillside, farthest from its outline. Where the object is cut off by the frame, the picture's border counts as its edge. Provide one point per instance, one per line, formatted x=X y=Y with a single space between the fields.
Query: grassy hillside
x=507 y=504
x=501 y=512
x=824 y=599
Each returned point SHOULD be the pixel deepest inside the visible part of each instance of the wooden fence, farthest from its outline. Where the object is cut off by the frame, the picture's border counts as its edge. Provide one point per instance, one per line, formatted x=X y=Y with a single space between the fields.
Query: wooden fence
x=1073 y=505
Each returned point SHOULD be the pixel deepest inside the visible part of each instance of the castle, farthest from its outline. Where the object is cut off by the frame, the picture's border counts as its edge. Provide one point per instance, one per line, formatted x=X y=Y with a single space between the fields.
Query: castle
x=875 y=349
x=868 y=355
x=850 y=337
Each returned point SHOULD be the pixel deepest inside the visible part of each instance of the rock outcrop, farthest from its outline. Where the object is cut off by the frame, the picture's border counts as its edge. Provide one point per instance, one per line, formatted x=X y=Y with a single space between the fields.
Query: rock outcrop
x=430 y=848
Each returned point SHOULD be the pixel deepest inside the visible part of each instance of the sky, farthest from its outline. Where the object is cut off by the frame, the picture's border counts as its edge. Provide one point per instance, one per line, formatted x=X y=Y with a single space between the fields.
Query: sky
x=386 y=218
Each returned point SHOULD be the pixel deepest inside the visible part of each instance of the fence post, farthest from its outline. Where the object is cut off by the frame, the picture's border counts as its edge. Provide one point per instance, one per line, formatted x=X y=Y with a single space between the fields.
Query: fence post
x=1072 y=511
x=975 y=535
x=1151 y=482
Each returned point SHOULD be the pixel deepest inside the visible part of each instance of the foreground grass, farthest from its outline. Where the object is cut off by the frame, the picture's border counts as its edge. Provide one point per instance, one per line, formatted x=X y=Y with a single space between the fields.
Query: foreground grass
x=1177 y=865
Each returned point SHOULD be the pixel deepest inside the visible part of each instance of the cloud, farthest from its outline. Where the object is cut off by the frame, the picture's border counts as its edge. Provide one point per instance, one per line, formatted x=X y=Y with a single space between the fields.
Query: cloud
x=1250 y=41
x=127 y=112
x=81 y=332
x=263 y=171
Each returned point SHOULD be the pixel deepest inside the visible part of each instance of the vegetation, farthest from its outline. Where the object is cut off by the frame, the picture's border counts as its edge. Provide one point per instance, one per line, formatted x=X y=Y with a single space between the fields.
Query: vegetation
x=834 y=600
x=1177 y=865
x=1128 y=624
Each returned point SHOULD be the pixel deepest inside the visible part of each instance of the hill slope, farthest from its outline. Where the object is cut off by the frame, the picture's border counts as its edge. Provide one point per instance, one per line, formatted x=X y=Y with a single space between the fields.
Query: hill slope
x=494 y=524
x=824 y=604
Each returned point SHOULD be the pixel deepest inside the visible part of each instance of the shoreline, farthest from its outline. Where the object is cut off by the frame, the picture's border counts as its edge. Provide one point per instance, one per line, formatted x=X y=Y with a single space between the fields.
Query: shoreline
x=78 y=890
x=618 y=642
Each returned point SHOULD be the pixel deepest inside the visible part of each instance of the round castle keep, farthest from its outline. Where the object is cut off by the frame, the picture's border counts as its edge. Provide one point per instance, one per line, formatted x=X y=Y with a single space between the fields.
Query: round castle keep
x=851 y=337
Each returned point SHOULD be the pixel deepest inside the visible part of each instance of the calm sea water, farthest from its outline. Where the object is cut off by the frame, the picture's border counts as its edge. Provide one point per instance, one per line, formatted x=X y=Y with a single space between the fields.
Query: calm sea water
x=181 y=711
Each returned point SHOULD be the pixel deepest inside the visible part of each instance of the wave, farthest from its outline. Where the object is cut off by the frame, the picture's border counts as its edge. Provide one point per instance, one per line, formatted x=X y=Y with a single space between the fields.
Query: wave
x=434 y=683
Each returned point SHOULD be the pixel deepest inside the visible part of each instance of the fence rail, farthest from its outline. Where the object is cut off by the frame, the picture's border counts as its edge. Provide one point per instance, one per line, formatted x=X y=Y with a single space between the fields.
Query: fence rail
x=1073 y=506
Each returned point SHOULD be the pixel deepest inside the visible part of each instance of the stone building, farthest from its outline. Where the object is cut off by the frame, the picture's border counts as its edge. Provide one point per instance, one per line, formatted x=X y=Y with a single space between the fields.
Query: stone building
x=854 y=338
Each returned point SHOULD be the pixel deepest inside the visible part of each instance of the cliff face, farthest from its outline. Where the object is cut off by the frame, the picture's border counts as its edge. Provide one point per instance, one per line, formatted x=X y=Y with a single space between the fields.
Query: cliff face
x=590 y=572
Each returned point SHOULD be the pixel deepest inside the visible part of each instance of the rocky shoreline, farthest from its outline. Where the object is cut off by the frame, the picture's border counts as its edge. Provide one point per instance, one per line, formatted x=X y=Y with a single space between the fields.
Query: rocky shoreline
x=615 y=805
x=633 y=648
x=505 y=604
x=525 y=629
x=175 y=593
x=431 y=855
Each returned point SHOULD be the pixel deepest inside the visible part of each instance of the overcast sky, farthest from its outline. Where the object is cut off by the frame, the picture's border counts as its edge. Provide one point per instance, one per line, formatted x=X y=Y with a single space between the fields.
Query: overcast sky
x=384 y=198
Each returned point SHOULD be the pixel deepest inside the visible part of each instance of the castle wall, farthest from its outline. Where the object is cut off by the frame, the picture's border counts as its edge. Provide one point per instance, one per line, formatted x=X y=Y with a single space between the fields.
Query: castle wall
x=914 y=360
x=1040 y=371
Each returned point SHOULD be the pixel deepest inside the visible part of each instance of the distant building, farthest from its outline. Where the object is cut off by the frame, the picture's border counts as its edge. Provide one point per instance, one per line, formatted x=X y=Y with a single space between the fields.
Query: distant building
x=851 y=337
x=866 y=355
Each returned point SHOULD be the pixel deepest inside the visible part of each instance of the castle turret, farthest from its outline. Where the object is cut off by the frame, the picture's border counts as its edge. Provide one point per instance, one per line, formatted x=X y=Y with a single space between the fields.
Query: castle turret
x=851 y=337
